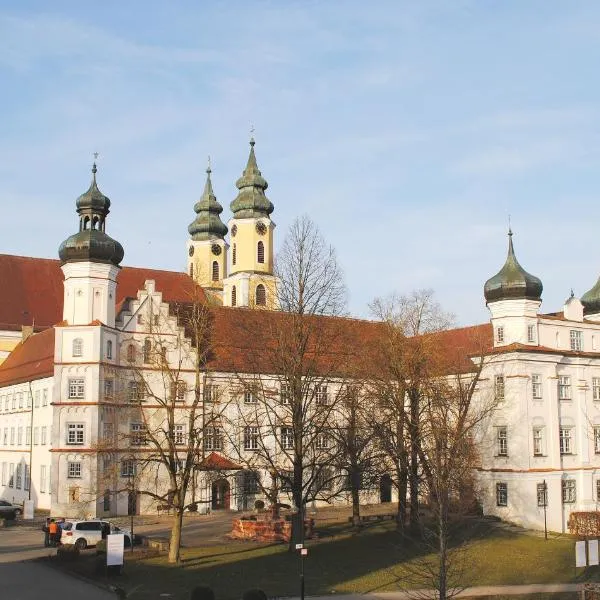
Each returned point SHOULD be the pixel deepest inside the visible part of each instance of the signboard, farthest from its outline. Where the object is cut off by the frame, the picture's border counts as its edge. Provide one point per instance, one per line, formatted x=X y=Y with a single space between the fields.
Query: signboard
x=28 y=509
x=580 y=560
x=593 y=552
x=304 y=552
x=115 y=546
x=299 y=546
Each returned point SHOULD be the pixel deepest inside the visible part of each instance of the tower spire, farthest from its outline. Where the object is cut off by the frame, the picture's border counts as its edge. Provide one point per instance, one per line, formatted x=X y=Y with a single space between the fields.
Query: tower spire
x=207 y=225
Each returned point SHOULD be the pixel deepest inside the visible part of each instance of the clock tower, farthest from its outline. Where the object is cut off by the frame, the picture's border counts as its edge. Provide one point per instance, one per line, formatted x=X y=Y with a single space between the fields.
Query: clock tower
x=207 y=249
x=251 y=281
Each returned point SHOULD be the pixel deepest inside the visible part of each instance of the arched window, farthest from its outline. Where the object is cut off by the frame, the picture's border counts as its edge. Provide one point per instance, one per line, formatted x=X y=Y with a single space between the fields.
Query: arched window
x=147 y=350
x=131 y=353
x=77 y=347
x=233 y=254
x=86 y=222
x=109 y=349
x=233 y=296
x=260 y=252
x=215 y=271
x=191 y=269
x=261 y=295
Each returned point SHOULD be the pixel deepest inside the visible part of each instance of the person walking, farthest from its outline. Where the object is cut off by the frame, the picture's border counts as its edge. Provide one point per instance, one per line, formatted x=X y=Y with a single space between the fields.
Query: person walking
x=53 y=529
x=46 y=534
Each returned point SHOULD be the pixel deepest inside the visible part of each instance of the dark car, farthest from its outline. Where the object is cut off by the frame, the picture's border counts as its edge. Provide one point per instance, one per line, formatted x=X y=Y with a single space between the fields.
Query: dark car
x=9 y=511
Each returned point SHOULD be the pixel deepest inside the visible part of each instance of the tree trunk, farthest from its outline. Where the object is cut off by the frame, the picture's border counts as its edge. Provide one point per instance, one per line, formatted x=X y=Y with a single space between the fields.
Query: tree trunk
x=443 y=546
x=175 y=542
x=414 y=460
x=355 y=499
x=402 y=475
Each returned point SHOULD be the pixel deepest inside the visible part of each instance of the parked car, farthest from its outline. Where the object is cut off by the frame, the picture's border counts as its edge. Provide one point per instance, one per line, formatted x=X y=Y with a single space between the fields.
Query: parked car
x=88 y=533
x=9 y=511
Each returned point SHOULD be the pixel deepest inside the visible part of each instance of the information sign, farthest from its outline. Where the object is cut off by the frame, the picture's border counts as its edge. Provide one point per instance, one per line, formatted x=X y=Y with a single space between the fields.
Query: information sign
x=115 y=547
x=28 y=509
x=593 y=552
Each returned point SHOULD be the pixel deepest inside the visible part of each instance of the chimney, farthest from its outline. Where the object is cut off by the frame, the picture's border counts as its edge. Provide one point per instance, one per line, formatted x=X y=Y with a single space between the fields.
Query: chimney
x=26 y=332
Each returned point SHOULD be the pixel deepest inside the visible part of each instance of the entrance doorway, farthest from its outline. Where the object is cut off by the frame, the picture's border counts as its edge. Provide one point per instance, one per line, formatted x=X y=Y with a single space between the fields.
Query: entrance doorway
x=385 y=488
x=221 y=494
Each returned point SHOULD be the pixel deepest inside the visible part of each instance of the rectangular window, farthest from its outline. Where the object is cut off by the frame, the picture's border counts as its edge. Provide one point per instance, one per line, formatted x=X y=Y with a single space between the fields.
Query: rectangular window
x=20 y=399
x=11 y=476
x=74 y=470
x=564 y=387
x=500 y=334
x=19 y=483
x=569 y=491
x=45 y=398
x=134 y=392
x=321 y=395
x=14 y=401
x=502 y=441
x=249 y=398
x=109 y=389
x=108 y=432
x=538 y=441
x=499 y=387
x=19 y=436
x=128 y=468
x=181 y=390
x=287 y=438
x=75 y=434
x=531 y=333
x=596 y=388
x=501 y=494
x=28 y=401
x=284 y=393
x=597 y=440
x=212 y=438
x=180 y=437
x=566 y=440
x=137 y=434
x=76 y=387
x=536 y=387
x=12 y=436
x=323 y=480
x=251 y=437
x=36 y=399
x=322 y=441
x=576 y=338
x=5 y=436
x=44 y=435
x=542 y=494
x=36 y=436
x=211 y=393
x=26 y=478
x=28 y=436
x=251 y=482
x=4 y=473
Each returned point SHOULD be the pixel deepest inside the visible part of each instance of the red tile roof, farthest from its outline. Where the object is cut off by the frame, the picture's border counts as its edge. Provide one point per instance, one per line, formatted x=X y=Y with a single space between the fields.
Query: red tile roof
x=32 y=289
x=216 y=462
x=30 y=360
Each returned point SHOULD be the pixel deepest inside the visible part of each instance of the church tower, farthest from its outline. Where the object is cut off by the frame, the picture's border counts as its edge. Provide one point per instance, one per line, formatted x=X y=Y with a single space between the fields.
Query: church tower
x=207 y=249
x=90 y=262
x=251 y=281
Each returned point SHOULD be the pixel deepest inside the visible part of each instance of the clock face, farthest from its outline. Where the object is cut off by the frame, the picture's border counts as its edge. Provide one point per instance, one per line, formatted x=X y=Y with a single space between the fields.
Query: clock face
x=216 y=249
x=191 y=251
x=233 y=230
x=261 y=228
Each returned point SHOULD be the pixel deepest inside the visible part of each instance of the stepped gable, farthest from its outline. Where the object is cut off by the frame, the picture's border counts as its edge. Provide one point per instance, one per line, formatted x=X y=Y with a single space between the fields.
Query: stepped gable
x=32 y=289
x=30 y=360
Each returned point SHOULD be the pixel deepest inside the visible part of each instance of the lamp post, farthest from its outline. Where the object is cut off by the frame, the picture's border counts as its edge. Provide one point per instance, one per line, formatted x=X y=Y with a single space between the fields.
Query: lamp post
x=545 y=488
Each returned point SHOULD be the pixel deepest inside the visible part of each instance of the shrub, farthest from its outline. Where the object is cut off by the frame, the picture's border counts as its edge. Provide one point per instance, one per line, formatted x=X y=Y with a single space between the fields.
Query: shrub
x=584 y=523
x=193 y=507
x=202 y=592
x=254 y=594
x=259 y=505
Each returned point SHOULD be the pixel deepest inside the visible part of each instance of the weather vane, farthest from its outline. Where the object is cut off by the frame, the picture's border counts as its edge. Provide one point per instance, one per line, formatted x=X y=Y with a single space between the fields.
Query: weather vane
x=96 y=155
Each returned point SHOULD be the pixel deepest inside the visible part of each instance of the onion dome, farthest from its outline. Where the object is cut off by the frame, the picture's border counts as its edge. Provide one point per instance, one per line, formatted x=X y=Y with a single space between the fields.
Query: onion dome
x=91 y=243
x=512 y=281
x=251 y=200
x=208 y=225
x=591 y=300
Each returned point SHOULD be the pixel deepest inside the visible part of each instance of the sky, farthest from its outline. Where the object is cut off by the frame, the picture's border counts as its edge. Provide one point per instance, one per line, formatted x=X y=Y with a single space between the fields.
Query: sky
x=408 y=131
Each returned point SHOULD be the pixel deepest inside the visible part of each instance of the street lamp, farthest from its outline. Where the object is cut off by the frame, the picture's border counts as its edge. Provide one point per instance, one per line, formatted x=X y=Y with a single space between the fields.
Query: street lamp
x=545 y=488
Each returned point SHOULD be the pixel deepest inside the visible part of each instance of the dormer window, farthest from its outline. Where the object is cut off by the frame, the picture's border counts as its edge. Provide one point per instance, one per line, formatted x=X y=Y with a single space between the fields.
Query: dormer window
x=500 y=334
x=77 y=347
x=576 y=337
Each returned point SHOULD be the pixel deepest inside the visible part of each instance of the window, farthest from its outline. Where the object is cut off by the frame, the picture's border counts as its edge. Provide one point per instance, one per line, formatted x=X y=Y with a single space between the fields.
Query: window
x=566 y=440
x=26 y=478
x=156 y=320
x=321 y=395
x=564 y=387
x=5 y=440
x=75 y=434
x=251 y=482
x=6 y=402
x=106 y=501
x=597 y=440
x=12 y=436
x=11 y=475
x=28 y=395
x=128 y=468
x=180 y=437
x=134 y=391
x=501 y=494
x=323 y=480
x=261 y=295
x=576 y=340
x=147 y=350
x=260 y=252
x=215 y=271
x=499 y=387
x=77 y=347
x=536 y=387
x=140 y=319
x=542 y=494
x=211 y=393
x=531 y=333
x=249 y=397
x=538 y=441
x=500 y=334
x=131 y=353
x=251 y=437
x=109 y=346
x=14 y=401
x=322 y=441
x=287 y=438
x=233 y=295
x=178 y=390
x=502 y=441
x=19 y=476
x=28 y=436
x=5 y=473
x=212 y=438
x=233 y=255
x=20 y=399
x=137 y=434
x=43 y=436
x=107 y=432
x=45 y=398
x=19 y=436
x=74 y=470
x=596 y=388
x=284 y=393
x=76 y=388
x=569 y=491
x=285 y=481
x=36 y=399
x=36 y=436
x=109 y=388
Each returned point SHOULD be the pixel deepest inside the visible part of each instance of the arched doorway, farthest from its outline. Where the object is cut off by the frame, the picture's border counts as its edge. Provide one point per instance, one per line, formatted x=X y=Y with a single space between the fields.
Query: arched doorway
x=385 y=488
x=221 y=494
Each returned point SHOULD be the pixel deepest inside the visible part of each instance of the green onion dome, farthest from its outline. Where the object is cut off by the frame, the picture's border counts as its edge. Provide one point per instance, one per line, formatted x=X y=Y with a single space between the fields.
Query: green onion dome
x=208 y=225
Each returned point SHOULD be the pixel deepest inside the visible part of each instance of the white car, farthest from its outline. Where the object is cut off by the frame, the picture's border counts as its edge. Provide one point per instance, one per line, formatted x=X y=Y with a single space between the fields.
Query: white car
x=88 y=533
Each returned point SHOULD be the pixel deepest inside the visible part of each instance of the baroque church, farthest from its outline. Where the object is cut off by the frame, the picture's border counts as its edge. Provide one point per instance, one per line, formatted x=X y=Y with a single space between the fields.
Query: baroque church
x=70 y=327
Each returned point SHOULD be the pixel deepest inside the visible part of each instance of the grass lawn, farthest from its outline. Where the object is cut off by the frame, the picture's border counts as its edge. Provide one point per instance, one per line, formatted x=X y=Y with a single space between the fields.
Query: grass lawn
x=374 y=560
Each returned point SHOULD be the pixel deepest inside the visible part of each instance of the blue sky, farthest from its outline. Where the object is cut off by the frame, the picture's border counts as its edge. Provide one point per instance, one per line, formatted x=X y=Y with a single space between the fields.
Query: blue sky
x=408 y=131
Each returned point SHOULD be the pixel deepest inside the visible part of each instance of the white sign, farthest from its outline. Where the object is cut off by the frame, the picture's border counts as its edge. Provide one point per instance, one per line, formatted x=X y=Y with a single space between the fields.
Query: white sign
x=304 y=552
x=28 y=509
x=299 y=546
x=593 y=552
x=115 y=546
x=580 y=560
